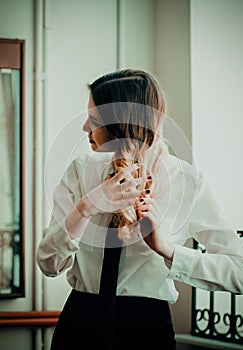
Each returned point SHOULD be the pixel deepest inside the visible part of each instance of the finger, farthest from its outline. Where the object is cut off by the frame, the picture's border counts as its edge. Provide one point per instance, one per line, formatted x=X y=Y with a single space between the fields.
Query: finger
x=144 y=208
x=142 y=211
x=126 y=203
x=133 y=183
x=146 y=193
x=129 y=198
x=145 y=200
x=111 y=175
x=125 y=192
x=141 y=203
x=138 y=212
x=149 y=181
x=144 y=214
x=131 y=194
x=126 y=171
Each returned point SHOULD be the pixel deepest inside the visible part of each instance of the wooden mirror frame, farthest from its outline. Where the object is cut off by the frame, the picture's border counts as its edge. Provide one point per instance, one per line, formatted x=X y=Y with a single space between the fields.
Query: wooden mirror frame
x=12 y=57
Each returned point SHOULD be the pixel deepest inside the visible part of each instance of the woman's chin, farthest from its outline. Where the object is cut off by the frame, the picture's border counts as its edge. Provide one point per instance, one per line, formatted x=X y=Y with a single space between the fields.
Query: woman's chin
x=102 y=148
x=93 y=146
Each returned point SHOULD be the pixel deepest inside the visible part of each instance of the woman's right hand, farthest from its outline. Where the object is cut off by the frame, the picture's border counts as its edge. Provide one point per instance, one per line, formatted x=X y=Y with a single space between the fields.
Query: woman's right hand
x=114 y=194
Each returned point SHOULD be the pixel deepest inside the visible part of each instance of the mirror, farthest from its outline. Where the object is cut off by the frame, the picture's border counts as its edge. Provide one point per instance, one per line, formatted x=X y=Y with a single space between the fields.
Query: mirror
x=11 y=174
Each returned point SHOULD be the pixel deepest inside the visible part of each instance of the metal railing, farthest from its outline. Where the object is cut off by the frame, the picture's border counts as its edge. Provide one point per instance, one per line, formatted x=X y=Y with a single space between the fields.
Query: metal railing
x=10 y=262
x=208 y=322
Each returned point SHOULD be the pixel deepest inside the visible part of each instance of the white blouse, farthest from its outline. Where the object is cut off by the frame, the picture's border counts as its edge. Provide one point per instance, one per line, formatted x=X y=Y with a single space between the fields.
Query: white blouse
x=189 y=211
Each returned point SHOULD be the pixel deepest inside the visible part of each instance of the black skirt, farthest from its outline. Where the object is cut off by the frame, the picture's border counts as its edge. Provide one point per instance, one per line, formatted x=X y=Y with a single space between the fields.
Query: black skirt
x=87 y=322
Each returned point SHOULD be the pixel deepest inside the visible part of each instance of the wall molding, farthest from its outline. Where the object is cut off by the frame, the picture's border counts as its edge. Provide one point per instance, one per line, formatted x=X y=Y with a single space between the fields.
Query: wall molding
x=29 y=318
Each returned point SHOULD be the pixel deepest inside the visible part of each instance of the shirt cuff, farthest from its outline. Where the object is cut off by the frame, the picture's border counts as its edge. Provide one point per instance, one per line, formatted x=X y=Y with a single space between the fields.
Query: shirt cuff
x=184 y=262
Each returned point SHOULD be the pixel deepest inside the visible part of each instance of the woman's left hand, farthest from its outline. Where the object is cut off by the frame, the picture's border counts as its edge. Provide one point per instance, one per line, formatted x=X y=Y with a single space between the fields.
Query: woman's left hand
x=150 y=218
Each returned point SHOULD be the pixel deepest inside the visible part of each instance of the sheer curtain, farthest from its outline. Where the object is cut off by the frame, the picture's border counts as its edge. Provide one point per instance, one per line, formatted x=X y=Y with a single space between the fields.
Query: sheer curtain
x=9 y=175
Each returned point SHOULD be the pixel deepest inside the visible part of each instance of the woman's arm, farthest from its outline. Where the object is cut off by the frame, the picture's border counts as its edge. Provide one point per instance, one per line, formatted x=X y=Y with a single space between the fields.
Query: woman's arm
x=54 y=253
x=218 y=269
x=70 y=216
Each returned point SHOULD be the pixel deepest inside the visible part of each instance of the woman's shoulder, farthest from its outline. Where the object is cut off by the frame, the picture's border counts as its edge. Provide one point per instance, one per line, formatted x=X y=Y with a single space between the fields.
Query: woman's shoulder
x=92 y=166
x=181 y=167
x=94 y=160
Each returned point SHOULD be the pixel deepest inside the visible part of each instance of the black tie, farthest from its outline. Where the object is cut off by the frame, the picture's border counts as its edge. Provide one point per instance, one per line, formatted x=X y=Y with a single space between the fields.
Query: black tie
x=108 y=282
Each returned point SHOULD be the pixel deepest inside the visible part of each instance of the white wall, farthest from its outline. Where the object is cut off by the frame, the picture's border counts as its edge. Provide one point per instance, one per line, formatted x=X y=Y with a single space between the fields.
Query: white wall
x=172 y=68
x=217 y=92
x=136 y=35
x=172 y=58
x=217 y=114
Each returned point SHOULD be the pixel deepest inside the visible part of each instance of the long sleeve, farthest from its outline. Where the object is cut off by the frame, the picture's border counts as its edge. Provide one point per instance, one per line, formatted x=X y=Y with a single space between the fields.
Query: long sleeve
x=54 y=253
x=221 y=267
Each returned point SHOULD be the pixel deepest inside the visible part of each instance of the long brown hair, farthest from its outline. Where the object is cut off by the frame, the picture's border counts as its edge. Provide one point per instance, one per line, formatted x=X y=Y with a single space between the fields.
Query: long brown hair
x=131 y=104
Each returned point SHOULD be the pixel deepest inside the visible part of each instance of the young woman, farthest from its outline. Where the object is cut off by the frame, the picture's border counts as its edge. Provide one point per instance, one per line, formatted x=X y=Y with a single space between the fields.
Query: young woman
x=120 y=220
